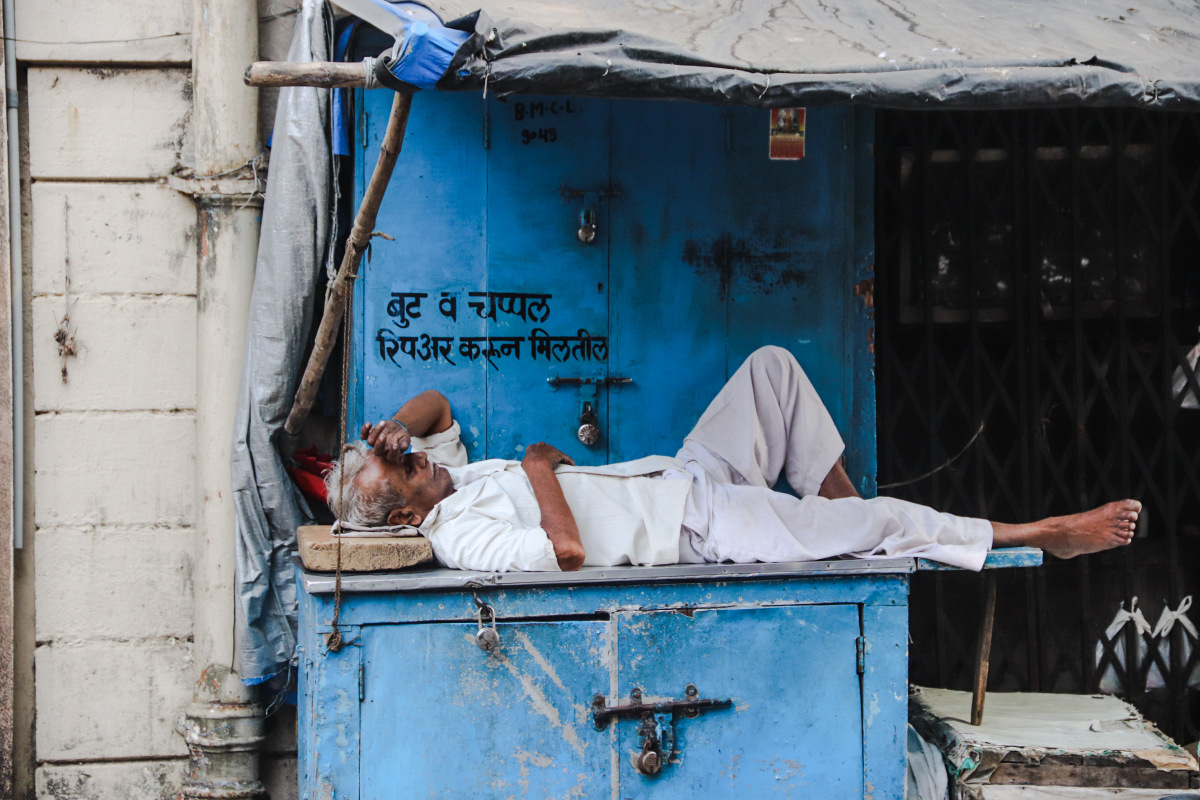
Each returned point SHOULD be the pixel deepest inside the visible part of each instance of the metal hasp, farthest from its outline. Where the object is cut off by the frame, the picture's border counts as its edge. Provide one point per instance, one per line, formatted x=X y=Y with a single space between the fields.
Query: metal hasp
x=589 y=420
x=656 y=734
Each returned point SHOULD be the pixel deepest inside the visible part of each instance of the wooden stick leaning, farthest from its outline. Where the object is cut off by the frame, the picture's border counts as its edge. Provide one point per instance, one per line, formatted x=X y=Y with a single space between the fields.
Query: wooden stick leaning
x=356 y=244
x=321 y=74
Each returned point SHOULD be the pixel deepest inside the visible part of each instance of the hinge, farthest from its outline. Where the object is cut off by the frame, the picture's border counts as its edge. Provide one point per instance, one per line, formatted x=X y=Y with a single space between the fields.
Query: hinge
x=860 y=647
x=362 y=679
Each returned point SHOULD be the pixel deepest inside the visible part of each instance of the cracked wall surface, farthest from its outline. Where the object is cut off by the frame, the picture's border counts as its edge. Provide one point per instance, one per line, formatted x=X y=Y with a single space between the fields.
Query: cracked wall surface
x=111 y=260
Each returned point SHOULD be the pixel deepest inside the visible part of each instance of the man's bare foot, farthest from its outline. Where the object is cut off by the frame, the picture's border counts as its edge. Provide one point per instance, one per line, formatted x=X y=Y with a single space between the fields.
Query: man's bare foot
x=1111 y=525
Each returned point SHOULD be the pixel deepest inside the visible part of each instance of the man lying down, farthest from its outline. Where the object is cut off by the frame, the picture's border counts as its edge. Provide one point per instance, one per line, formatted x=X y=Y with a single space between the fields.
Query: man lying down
x=712 y=502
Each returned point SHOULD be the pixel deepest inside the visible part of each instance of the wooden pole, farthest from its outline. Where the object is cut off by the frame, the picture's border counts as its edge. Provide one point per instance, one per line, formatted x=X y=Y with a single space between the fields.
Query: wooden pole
x=983 y=648
x=321 y=74
x=360 y=237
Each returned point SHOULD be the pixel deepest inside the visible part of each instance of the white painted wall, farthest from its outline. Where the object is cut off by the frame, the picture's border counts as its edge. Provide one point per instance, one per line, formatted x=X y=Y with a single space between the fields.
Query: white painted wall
x=114 y=446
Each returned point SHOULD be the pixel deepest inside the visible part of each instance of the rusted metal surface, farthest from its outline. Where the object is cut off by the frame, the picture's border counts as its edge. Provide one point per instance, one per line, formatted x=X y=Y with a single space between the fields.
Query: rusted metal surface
x=602 y=713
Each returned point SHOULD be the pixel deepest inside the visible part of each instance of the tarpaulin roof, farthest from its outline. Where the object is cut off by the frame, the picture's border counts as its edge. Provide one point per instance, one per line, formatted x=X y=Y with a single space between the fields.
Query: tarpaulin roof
x=894 y=53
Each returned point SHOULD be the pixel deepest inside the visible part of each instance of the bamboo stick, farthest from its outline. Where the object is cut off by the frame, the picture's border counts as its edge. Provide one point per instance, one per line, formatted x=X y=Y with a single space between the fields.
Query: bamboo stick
x=321 y=74
x=360 y=237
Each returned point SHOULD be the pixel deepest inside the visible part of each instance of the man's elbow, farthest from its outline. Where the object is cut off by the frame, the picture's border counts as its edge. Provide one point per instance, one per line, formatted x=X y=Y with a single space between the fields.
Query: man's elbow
x=570 y=556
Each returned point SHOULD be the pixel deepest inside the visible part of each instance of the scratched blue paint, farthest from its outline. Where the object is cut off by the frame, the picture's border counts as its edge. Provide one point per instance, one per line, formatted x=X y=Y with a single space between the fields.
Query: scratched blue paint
x=795 y=729
x=705 y=250
x=884 y=701
x=1003 y=558
x=442 y=718
x=437 y=713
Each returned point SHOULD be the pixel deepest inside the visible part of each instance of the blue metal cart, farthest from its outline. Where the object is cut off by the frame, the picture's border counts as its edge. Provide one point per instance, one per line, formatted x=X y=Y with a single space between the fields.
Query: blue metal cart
x=714 y=680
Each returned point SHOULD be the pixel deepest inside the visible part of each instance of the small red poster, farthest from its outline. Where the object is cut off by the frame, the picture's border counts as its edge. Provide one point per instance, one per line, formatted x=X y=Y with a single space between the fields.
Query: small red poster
x=787 y=133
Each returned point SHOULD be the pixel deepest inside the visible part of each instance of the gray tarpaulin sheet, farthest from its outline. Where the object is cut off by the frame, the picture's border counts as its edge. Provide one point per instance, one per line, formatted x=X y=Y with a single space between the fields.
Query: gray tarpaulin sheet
x=291 y=254
x=911 y=54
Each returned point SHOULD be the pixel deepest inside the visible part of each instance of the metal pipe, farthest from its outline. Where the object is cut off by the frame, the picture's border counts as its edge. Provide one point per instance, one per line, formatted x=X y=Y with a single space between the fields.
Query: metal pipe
x=223 y=728
x=17 y=276
x=225 y=120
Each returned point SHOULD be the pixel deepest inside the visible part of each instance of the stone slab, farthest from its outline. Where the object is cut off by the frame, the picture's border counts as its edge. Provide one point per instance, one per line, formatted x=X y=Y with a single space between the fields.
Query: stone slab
x=318 y=551
x=114 y=468
x=78 y=31
x=129 y=353
x=104 y=700
x=113 y=238
x=117 y=123
x=125 y=780
x=133 y=583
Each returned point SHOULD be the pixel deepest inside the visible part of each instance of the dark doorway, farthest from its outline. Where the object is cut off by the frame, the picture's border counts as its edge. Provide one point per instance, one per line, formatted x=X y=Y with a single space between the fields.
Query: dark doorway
x=1038 y=287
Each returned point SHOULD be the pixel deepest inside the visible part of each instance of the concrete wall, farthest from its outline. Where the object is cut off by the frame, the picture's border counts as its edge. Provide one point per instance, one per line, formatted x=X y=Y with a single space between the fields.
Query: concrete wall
x=104 y=595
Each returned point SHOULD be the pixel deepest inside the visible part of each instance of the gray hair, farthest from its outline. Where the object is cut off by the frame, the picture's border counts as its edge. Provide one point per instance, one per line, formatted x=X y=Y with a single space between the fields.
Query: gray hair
x=348 y=501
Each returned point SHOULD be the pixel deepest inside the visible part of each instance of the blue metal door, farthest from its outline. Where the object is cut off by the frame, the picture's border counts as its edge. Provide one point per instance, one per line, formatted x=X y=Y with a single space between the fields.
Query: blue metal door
x=700 y=249
x=441 y=718
x=795 y=728
x=548 y=180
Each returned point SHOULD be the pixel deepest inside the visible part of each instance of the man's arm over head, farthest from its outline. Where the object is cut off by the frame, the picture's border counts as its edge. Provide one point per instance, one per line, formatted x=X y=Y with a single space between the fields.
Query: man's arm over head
x=426 y=414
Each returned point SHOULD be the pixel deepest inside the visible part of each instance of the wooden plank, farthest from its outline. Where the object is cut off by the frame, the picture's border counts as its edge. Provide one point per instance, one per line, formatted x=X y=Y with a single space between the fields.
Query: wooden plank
x=1112 y=776
x=983 y=649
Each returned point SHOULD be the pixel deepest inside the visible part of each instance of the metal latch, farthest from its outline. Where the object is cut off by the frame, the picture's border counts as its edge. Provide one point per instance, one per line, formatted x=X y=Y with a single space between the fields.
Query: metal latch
x=555 y=381
x=656 y=733
x=589 y=421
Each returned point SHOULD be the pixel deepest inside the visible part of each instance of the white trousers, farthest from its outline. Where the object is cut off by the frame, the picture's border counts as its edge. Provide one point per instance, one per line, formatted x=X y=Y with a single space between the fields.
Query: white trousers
x=767 y=421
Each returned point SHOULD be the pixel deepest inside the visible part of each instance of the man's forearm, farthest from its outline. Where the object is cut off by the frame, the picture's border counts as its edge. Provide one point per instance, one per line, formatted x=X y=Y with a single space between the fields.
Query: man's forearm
x=557 y=520
x=425 y=414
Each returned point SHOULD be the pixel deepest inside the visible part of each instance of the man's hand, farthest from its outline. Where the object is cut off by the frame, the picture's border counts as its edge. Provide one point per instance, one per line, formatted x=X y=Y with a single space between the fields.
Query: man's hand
x=389 y=439
x=546 y=452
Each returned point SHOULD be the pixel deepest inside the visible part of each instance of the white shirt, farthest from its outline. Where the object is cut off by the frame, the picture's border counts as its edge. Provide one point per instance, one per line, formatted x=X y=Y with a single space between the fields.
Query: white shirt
x=492 y=522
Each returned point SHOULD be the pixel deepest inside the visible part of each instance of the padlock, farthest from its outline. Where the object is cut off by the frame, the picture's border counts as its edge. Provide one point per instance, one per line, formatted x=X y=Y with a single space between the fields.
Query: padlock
x=589 y=428
x=647 y=762
x=587 y=220
x=589 y=434
x=488 y=639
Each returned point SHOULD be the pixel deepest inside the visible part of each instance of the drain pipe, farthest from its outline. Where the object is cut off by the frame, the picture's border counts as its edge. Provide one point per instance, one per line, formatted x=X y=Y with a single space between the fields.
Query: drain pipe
x=224 y=726
x=17 y=274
